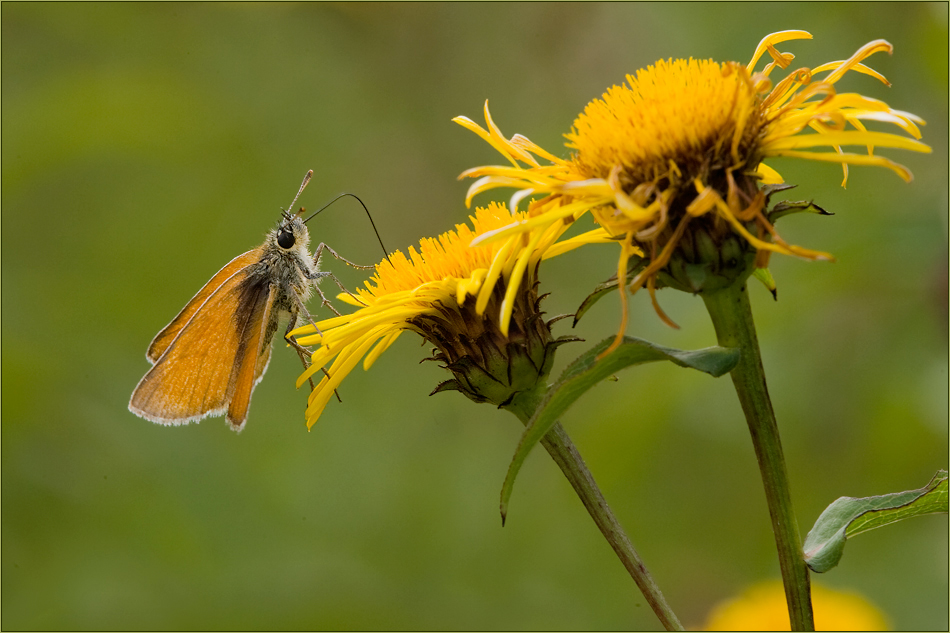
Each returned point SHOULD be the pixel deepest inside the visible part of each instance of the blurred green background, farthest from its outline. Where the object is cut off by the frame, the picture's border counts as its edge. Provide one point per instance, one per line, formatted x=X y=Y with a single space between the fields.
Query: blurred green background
x=145 y=145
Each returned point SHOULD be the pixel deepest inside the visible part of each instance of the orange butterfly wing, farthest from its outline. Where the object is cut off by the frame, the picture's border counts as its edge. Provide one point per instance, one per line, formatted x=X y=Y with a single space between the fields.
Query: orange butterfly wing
x=251 y=361
x=218 y=354
x=164 y=338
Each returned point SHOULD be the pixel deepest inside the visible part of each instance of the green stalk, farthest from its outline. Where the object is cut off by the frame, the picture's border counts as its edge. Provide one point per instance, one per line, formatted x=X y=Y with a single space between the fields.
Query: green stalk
x=569 y=460
x=732 y=317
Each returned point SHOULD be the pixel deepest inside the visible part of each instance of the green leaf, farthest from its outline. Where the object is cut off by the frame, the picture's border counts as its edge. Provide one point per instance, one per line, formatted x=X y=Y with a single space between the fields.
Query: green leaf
x=586 y=371
x=848 y=516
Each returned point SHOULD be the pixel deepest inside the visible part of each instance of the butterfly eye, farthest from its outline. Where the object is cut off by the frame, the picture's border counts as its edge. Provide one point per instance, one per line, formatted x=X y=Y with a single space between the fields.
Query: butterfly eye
x=285 y=239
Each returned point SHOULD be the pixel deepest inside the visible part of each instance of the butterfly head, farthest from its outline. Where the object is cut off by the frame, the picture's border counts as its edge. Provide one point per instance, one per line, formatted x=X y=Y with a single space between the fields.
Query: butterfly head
x=291 y=233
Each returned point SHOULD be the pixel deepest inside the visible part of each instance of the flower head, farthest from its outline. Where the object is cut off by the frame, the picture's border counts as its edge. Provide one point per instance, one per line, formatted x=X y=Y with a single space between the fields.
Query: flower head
x=763 y=608
x=477 y=304
x=670 y=165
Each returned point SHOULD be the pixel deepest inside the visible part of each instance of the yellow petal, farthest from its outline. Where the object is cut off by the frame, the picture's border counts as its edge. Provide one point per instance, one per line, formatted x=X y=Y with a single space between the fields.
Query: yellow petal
x=769 y=176
x=773 y=39
x=878 y=139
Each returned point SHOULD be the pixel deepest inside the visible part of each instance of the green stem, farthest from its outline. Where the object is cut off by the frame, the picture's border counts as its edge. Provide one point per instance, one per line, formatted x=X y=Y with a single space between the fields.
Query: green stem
x=732 y=317
x=565 y=455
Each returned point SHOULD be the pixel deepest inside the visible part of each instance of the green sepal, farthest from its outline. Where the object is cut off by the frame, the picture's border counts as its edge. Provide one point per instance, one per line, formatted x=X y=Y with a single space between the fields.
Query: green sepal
x=770 y=190
x=848 y=516
x=602 y=289
x=763 y=275
x=566 y=338
x=476 y=383
x=446 y=385
x=522 y=369
x=788 y=207
x=586 y=371
x=634 y=266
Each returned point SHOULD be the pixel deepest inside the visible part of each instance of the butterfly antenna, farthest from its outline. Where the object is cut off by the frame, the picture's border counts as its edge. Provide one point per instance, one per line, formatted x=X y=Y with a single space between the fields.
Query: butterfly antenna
x=353 y=195
x=303 y=185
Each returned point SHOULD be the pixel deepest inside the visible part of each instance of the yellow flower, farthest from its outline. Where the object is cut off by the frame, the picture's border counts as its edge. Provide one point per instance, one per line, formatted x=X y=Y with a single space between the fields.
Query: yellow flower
x=763 y=608
x=477 y=304
x=671 y=162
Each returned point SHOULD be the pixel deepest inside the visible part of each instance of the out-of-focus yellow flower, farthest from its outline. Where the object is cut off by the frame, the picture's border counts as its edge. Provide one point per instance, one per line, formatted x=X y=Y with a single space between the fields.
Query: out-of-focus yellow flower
x=477 y=304
x=670 y=164
x=763 y=608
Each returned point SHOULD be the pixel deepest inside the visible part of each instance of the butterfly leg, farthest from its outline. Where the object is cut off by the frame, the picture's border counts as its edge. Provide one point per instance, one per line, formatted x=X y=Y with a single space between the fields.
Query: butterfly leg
x=317 y=254
x=323 y=298
x=316 y=258
x=301 y=308
x=302 y=351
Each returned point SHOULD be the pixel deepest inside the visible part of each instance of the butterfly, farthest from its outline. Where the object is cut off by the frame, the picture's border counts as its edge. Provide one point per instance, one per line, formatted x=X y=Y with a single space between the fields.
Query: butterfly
x=209 y=359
